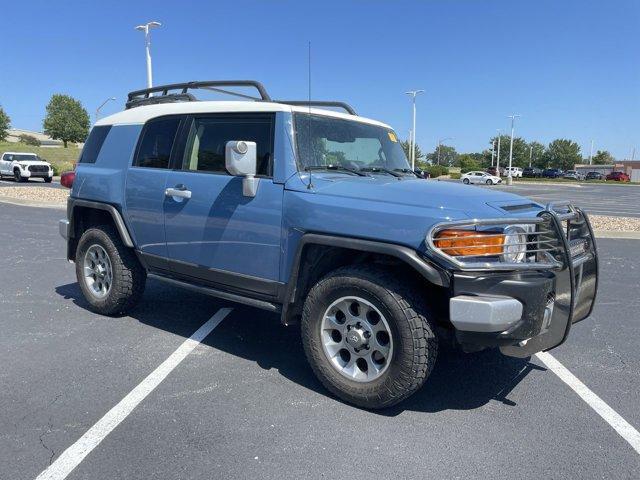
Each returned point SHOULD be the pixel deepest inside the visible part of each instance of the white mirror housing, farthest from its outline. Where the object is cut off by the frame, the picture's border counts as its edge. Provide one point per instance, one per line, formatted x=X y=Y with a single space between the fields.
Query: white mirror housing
x=240 y=160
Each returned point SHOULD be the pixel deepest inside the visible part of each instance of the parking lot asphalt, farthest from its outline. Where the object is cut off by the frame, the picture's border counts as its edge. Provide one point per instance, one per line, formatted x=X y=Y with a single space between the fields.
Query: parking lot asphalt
x=596 y=199
x=244 y=403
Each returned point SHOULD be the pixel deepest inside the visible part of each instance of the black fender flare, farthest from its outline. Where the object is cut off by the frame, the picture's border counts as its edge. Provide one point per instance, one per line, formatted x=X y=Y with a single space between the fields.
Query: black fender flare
x=72 y=203
x=431 y=272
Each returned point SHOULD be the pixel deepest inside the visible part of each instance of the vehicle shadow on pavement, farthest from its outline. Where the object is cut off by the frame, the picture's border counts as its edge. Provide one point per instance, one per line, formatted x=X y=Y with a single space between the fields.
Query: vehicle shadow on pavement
x=459 y=381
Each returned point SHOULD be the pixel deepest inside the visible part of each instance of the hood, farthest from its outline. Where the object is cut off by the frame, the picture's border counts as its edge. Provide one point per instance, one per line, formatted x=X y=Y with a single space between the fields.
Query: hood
x=468 y=200
x=32 y=162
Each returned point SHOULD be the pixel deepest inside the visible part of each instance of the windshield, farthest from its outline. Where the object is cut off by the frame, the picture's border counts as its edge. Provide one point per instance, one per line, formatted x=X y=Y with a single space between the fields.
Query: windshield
x=325 y=141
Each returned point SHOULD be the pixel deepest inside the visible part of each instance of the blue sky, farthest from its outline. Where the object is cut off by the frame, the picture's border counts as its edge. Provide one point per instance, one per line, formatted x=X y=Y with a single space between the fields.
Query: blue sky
x=570 y=68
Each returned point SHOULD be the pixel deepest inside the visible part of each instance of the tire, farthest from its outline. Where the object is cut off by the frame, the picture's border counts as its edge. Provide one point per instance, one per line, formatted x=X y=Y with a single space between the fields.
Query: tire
x=412 y=342
x=18 y=177
x=128 y=277
x=48 y=179
x=465 y=181
x=489 y=182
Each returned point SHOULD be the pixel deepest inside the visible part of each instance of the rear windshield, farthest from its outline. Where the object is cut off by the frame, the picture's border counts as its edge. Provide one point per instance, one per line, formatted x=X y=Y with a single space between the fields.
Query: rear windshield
x=93 y=144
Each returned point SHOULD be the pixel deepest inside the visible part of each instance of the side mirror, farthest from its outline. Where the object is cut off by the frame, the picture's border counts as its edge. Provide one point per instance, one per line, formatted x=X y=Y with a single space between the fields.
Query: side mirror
x=240 y=160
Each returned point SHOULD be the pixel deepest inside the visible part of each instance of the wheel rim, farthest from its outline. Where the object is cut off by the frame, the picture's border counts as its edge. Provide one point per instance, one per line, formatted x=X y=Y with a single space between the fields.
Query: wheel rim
x=356 y=339
x=98 y=274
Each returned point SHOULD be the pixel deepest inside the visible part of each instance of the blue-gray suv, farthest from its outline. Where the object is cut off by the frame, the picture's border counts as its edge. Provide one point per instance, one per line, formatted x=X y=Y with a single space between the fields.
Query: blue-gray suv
x=296 y=208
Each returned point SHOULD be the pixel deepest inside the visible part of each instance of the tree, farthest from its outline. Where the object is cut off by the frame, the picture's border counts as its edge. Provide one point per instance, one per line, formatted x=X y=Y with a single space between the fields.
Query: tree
x=29 y=140
x=66 y=119
x=520 y=151
x=5 y=124
x=468 y=162
x=447 y=156
x=603 y=157
x=537 y=154
x=406 y=146
x=562 y=153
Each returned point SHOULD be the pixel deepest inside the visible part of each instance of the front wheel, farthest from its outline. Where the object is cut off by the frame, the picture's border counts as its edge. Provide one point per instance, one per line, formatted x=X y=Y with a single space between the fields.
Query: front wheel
x=18 y=177
x=465 y=181
x=48 y=179
x=489 y=182
x=110 y=276
x=367 y=336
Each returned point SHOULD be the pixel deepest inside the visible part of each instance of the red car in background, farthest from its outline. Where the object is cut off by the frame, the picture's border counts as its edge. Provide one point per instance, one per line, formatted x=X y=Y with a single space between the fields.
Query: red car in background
x=618 y=177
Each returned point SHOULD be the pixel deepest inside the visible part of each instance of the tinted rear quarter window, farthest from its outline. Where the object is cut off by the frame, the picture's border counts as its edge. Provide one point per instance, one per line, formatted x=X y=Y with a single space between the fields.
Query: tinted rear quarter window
x=154 y=150
x=92 y=146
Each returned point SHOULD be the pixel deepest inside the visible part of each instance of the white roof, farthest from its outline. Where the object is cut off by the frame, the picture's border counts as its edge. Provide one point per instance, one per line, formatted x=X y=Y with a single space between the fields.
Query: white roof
x=140 y=115
x=20 y=153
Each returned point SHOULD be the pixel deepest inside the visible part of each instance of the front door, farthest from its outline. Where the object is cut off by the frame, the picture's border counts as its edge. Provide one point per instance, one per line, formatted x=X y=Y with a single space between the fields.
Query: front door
x=213 y=232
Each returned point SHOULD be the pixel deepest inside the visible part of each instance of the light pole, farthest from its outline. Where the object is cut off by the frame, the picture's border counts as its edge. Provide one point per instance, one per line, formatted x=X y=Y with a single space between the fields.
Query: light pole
x=530 y=154
x=498 y=157
x=591 y=154
x=147 y=41
x=102 y=105
x=509 y=177
x=440 y=144
x=493 y=151
x=413 y=94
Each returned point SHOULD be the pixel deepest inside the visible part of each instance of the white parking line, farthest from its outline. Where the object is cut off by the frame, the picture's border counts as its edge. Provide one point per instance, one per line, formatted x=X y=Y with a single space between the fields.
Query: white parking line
x=73 y=455
x=619 y=424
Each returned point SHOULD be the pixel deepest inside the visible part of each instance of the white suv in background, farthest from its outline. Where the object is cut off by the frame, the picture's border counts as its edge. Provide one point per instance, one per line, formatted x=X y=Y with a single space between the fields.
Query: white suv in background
x=516 y=172
x=23 y=166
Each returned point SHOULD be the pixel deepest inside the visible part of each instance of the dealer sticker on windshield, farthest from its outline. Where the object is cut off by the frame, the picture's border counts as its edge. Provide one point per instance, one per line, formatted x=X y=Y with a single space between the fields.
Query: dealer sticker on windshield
x=392 y=137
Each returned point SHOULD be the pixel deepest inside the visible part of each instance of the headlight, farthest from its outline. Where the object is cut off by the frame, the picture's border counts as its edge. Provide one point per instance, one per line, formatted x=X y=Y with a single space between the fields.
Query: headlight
x=515 y=244
x=508 y=245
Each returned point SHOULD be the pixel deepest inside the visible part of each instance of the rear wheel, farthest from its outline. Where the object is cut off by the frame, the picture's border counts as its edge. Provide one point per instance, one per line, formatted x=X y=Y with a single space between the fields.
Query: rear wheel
x=110 y=276
x=367 y=336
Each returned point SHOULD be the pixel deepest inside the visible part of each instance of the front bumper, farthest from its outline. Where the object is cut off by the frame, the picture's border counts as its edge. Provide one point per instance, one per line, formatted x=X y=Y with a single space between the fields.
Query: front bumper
x=551 y=300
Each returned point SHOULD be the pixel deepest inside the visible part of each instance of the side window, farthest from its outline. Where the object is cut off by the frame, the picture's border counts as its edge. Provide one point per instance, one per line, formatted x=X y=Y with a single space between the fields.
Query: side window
x=208 y=137
x=7 y=158
x=156 y=143
x=93 y=144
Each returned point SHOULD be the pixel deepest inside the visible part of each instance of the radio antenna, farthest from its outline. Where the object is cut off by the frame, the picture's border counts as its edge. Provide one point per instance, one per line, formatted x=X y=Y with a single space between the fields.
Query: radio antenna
x=310 y=184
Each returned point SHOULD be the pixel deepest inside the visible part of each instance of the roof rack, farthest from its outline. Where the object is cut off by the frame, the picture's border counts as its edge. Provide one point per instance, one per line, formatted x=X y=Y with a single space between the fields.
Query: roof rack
x=318 y=103
x=142 y=97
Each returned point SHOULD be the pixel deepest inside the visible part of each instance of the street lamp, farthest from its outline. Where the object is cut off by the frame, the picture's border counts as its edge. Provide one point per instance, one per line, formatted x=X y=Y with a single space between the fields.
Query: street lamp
x=413 y=94
x=440 y=144
x=498 y=158
x=147 y=41
x=102 y=105
x=513 y=119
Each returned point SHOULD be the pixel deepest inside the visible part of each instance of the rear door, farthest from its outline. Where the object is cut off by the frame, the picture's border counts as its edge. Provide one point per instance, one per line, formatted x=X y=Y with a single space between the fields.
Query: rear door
x=145 y=185
x=218 y=235
x=5 y=163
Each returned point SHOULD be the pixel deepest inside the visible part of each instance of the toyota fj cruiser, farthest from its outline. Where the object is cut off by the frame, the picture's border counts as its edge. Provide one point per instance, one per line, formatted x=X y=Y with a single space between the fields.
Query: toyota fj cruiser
x=295 y=208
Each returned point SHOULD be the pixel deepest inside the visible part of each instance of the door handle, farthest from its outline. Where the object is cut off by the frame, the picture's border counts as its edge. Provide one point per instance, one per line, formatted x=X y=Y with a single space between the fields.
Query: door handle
x=179 y=191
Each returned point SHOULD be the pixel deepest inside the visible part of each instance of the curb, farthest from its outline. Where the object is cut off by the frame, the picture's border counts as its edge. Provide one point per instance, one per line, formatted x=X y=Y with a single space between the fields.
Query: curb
x=31 y=203
x=615 y=234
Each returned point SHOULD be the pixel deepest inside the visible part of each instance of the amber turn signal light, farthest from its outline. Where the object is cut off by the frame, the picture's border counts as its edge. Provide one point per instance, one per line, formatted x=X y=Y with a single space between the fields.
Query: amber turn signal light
x=469 y=242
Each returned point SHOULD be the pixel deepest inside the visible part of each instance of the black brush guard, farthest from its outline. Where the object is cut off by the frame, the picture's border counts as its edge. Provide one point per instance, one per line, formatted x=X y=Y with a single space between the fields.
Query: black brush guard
x=576 y=283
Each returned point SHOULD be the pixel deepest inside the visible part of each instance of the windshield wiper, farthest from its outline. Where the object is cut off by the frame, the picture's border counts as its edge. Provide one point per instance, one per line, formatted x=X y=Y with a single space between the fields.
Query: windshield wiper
x=406 y=170
x=380 y=170
x=335 y=167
